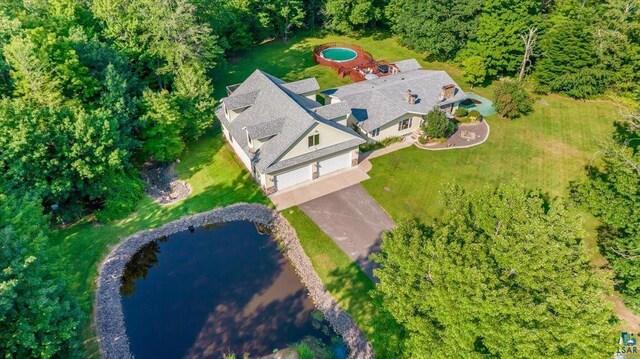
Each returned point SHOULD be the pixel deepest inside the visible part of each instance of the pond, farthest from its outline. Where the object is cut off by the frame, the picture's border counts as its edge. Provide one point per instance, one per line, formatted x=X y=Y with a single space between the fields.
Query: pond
x=214 y=291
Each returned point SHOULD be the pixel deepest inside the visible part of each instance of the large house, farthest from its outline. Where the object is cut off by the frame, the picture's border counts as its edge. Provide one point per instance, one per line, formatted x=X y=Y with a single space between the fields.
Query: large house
x=282 y=135
x=393 y=105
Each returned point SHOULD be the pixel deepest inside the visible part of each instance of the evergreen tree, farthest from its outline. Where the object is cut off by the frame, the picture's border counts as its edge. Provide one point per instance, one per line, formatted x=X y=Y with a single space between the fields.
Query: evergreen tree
x=435 y=124
x=502 y=274
x=569 y=64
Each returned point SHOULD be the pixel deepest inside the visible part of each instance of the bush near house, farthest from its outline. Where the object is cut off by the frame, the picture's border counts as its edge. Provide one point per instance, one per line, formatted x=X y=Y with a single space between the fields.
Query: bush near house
x=512 y=100
x=435 y=124
x=461 y=112
x=372 y=146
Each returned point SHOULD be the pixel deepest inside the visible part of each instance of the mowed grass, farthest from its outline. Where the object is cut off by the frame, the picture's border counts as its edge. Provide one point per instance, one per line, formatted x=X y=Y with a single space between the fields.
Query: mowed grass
x=547 y=150
x=293 y=61
x=217 y=179
x=347 y=283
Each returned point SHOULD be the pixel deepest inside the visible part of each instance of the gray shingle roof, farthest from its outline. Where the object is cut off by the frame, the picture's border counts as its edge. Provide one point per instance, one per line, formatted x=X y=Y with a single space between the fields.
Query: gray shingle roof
x=408 y=65
x=382 y=100
x=302 y=86
x=274 y=106
x=266 y=129
x=240 y=100
x=334 y=110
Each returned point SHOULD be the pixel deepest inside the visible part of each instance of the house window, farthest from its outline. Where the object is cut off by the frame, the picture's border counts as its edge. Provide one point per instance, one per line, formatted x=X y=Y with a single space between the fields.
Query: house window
x=404 y=124
x=376 y=132
x=314 y=140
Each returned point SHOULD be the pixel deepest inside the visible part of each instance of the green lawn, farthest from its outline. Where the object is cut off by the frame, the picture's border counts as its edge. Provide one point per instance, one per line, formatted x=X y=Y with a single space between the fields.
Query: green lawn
x=217 y=179
x=347 y=283
x=546 y=150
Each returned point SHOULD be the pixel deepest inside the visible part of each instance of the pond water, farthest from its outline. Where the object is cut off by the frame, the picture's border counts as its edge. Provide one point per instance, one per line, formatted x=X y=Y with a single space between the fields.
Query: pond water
x=214 y=291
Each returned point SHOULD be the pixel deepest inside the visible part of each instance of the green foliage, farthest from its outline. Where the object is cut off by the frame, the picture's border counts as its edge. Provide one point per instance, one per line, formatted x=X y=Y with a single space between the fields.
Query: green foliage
x=437 y=27
x=475 y=70
x=38 y=319
x=435 y=124
x=124 y=193
x=163 y=125
x=371 y=146
x=512 y=100
x=312 y=348
x=63 y=154
x=568 y=61
x=348 y=16
x=490 y=281
x=461 y=112
x=497 y=38
x=474 y=114
x=612 y=193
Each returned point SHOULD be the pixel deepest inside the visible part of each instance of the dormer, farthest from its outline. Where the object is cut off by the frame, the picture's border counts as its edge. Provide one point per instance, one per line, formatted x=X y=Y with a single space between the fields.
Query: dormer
x=237 y=103
x=258 y=135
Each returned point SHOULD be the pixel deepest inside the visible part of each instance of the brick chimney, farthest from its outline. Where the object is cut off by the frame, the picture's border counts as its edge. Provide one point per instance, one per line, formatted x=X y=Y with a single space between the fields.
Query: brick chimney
x=411 y=99
x=447 y=92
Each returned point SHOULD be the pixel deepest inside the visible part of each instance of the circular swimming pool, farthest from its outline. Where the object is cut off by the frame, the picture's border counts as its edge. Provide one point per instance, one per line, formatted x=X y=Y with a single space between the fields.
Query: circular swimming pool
x=338 y=54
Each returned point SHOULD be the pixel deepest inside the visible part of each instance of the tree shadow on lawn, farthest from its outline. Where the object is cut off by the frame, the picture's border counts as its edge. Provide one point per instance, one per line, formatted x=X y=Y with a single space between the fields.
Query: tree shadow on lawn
x=283 y=60
x=355 y=292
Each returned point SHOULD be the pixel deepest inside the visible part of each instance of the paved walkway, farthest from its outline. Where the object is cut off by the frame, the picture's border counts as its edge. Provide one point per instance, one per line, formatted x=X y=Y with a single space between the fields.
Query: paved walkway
x=322 y=186
x=354 y=220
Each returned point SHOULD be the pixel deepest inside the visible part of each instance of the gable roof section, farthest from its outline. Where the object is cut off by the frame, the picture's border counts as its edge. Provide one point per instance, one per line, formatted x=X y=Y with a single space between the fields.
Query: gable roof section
x=302 y=86
x=333 y=110
x=382 y=100
x=240 y=101
x=408 y=65
x=276 y=111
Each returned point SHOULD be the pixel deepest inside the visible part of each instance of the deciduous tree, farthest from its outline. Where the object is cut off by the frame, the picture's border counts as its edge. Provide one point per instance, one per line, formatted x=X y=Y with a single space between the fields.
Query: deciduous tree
x=437 y=27
x=502 y=274
x=38 y=318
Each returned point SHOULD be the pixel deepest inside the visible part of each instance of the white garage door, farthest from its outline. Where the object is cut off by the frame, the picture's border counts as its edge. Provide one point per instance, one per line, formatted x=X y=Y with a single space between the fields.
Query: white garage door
x=334 y=163
x=293 y=177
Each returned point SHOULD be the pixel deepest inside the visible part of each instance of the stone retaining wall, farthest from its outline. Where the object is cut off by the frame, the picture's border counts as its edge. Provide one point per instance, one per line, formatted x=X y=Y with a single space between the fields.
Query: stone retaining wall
x=109 y=318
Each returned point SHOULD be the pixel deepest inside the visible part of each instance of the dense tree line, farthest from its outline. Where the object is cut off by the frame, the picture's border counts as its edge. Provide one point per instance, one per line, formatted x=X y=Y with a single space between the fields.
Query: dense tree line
x=612 y=192
x=579 y=48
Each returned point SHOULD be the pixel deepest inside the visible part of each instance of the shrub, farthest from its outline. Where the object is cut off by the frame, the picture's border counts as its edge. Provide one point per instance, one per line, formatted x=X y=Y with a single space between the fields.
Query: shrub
x=372 y=146
x=423 y=140
x=435 y=124
x=512 y=100
x=475 y=114
x=461 y=112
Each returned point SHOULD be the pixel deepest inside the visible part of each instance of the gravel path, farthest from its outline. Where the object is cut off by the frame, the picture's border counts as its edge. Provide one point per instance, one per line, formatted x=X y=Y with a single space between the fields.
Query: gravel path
x=109 y=318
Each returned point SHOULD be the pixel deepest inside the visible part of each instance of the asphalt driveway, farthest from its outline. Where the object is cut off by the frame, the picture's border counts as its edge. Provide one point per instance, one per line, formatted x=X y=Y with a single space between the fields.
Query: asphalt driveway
x=354 y=220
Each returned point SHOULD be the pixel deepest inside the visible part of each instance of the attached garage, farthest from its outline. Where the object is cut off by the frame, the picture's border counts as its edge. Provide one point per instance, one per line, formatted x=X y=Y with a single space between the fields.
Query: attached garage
x=333 y=164
x=293 y=177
